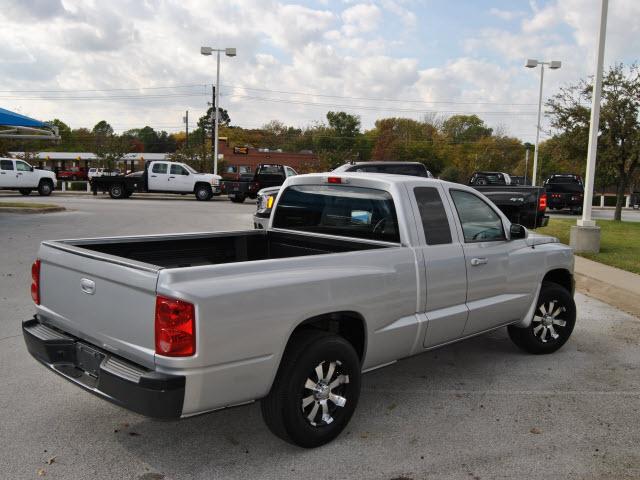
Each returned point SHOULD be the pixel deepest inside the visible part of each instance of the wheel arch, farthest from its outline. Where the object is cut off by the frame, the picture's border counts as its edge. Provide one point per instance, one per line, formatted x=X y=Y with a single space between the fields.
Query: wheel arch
x=201 y=183
x=562 y=277
x=350 y=325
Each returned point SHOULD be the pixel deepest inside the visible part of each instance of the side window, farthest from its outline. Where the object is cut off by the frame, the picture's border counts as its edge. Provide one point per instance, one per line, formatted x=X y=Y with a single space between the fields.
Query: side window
x=22 y=166
x=159 y=168
x=178 y=170
x=6 y=164
x=479 y=222
x=433 y=215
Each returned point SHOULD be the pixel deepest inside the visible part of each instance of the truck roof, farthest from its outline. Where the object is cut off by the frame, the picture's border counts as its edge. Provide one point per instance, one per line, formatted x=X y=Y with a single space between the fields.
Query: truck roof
x=361 y=178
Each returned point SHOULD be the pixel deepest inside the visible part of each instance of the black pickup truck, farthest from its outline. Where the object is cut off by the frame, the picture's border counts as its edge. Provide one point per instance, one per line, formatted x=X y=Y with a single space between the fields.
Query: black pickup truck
x=266 y=175
x=565 y=191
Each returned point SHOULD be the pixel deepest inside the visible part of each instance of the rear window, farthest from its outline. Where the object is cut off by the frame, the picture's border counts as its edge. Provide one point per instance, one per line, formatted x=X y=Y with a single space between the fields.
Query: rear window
x=338 y=210
x=6 y=165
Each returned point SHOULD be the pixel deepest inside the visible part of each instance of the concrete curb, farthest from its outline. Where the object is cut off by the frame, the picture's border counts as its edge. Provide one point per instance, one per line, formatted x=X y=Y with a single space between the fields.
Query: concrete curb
x=27 y=210
x=611 y=285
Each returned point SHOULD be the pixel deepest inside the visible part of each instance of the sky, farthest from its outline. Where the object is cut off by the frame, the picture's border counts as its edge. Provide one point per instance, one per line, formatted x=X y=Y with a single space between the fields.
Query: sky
x=137 y=62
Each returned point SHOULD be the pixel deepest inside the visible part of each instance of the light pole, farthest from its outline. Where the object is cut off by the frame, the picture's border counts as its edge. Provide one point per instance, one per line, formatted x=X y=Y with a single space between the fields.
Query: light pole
x=229 y=52
x=553 y=65
x=585 y=236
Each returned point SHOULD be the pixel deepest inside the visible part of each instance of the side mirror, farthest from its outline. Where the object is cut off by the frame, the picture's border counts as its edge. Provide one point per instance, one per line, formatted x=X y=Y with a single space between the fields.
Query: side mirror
x=517 y=231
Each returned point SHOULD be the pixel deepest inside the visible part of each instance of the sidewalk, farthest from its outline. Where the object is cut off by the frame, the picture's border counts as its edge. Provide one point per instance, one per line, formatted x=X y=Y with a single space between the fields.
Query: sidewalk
x=608 y=284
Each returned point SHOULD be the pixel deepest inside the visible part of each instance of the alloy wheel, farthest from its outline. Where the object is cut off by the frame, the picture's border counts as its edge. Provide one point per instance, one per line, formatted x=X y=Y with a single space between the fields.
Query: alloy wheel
x=324 y=393
x=548 y=323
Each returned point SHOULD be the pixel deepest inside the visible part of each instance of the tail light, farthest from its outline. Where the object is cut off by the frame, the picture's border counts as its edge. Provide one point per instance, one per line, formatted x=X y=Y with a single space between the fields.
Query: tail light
x=35 y=281
x=337 y=180
x=175 y=327
x=542 y=202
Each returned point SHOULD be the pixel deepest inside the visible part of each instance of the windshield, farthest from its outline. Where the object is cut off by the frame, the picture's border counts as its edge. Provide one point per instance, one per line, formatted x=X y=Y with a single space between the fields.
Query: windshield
x=338 y=210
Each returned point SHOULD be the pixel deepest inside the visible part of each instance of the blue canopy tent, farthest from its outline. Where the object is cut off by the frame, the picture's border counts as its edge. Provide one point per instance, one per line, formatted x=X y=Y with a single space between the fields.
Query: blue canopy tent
x=16 y=126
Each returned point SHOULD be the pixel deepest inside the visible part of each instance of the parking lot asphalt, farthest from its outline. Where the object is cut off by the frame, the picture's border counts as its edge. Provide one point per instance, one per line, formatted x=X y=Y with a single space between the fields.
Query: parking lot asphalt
x=479 y=409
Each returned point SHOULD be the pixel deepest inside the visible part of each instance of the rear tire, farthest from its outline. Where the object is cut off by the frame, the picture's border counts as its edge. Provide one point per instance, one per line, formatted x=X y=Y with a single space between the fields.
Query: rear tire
x=25 y=191
x=552 y=324
x=116 y=191
x=45 y=188
x=203 y=192
x=315 y=391
x=237 y=198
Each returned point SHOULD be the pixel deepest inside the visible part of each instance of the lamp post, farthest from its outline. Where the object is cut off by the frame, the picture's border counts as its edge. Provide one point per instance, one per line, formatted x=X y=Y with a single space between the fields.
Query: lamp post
x=553 y=65
x=585 y=236
x=229 y=52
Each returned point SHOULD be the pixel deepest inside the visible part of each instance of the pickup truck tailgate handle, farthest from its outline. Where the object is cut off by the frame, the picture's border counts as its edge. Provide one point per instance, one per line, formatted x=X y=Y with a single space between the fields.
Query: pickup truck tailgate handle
x=88 y=286
x=478 y=261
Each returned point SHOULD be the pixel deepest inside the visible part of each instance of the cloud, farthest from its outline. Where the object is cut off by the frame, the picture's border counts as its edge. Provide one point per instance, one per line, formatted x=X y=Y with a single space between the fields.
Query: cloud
x=363 y=17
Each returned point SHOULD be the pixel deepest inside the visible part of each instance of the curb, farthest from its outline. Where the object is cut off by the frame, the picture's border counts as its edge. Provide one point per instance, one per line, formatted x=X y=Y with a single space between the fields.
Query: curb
x=31 y=210
x=613 y=295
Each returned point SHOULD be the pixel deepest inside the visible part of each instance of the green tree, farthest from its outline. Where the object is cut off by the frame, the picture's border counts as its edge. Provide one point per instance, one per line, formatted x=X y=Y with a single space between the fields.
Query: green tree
x=619 y=135
x=465 y=128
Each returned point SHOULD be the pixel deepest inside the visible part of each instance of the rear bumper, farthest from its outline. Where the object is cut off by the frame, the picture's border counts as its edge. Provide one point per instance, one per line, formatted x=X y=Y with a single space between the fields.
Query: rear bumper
x=119 y=381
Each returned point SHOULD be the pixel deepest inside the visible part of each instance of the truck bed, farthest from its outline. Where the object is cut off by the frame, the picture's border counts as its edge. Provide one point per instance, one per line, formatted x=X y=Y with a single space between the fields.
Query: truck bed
x=218 y=248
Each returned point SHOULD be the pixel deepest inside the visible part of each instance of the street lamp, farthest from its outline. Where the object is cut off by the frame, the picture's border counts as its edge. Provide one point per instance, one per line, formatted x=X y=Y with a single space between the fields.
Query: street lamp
x=229 y=52
x=553 y=65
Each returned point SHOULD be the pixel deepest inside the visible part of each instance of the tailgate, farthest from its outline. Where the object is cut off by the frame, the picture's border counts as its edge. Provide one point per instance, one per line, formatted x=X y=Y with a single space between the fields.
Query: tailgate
x=102 y=299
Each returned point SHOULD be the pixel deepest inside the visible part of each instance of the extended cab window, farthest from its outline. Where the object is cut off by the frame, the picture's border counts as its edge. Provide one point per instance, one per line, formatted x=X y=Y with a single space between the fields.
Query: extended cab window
x=178 y=170
x=480 y=223
x=338 y=210
x=159 y=168
x=22 y=166
x=434 y=217
x=6 y=164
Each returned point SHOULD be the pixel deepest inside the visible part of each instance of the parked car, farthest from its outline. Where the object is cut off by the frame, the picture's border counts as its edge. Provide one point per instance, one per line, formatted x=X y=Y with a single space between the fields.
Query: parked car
x=102 y=172
x=73 y=174
x=247 y=186
x=565 y=191
x=267 y=196
x=355 y=272
x=19 y=175
x=489 y=178
x=162 y=177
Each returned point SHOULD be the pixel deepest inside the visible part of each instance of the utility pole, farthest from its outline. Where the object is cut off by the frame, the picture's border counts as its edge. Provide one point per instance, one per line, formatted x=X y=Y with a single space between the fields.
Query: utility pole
x=214 y=128
x=186 y=122
x=526 y=164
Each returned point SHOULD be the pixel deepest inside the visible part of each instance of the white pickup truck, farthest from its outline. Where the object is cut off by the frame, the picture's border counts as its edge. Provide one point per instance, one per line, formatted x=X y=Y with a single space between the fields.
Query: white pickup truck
x=19 y=175
x=354 y=272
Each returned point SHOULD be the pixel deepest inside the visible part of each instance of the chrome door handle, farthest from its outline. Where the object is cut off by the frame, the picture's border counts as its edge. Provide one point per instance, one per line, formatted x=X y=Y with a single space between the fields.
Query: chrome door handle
x=478 y=261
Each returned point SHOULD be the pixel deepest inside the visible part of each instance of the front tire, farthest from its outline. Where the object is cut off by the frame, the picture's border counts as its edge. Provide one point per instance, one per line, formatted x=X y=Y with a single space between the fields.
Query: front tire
x=552 y=324
x=25 y=191
x=116 y=191
x=315 y=391
x=203 y=193
x=45 y=188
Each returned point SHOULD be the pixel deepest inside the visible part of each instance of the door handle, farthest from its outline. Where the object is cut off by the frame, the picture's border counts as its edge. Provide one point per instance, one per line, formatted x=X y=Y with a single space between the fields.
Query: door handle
x=154 y=176
x=172 y=177
x=20 y=173
x=2 y=173
x=478 y=261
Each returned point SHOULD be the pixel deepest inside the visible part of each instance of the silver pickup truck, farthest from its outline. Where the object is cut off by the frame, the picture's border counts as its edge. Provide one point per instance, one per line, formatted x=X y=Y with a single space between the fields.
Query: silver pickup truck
x=354 y=272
